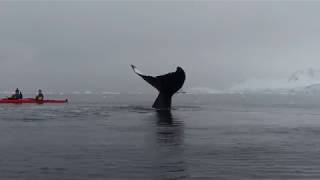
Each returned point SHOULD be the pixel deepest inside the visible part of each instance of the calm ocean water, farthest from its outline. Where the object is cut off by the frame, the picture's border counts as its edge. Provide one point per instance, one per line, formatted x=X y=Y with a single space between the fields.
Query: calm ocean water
x=204 y=137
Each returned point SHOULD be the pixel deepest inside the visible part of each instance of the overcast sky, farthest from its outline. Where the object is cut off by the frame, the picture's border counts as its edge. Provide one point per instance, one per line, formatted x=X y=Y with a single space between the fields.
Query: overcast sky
x=89 y=46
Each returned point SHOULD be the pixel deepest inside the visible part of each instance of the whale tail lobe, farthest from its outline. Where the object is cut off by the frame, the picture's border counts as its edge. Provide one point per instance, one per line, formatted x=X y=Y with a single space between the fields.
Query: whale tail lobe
x=167 y=85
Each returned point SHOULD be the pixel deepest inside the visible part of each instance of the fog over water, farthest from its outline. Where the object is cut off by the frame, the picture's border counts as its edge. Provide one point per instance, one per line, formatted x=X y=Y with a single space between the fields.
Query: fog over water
x=79 y=46
x=108 y=130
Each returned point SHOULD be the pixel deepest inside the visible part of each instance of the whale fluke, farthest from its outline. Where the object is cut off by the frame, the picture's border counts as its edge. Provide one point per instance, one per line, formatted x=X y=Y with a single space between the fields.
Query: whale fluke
x=167 y=85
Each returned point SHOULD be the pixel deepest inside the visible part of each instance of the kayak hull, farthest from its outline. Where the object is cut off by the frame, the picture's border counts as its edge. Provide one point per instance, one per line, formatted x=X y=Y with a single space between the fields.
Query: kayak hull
x=31 y=101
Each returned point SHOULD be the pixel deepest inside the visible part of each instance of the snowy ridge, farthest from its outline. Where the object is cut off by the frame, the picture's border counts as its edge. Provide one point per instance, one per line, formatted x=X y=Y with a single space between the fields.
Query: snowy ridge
x=300 y=82
x=202 y=90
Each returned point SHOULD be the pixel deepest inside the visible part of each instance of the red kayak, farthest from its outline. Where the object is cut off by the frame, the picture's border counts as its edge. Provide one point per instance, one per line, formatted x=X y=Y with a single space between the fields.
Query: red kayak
x=30 y=101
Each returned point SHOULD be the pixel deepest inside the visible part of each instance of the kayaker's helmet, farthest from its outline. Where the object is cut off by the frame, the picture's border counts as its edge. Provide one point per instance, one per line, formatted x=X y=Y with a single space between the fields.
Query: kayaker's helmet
x=39 y=91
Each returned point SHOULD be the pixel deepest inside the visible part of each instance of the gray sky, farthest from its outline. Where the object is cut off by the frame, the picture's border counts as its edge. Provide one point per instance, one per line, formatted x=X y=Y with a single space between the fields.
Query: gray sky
x=89 y=46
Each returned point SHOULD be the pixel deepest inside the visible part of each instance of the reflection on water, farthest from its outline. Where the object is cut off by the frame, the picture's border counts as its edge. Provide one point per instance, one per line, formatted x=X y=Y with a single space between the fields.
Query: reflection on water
x=169 y=143
x=169 y=128
x=164 y=117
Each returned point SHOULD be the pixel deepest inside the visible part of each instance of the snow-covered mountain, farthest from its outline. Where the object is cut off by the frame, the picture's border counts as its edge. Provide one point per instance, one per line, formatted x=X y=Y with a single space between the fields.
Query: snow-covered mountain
x=202 y=90
x=300 y=82
x=307 y=76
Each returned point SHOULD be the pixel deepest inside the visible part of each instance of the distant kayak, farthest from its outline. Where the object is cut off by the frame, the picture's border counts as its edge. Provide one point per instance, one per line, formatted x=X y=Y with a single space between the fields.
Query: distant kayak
x=30 y=101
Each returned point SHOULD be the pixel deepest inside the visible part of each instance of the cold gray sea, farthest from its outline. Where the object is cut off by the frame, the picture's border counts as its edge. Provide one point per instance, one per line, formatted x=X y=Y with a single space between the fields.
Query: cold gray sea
x=97 y=137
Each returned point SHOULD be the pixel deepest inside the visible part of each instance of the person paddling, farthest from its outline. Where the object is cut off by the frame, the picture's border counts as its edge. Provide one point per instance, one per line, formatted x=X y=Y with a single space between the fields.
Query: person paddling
x=16 y=95
x=40 y=95
x=20 y=95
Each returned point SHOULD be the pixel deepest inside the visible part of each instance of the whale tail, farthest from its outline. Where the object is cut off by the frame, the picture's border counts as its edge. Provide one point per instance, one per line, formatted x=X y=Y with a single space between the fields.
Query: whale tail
x=167 y=85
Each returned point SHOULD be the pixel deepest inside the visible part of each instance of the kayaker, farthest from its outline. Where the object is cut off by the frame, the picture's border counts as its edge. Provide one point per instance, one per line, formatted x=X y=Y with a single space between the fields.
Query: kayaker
x=40 y=95
x=20 y=95
x=16 y=95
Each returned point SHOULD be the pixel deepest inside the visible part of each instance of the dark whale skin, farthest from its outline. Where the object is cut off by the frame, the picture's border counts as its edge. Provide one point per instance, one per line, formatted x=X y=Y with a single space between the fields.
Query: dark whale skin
x=167 y=85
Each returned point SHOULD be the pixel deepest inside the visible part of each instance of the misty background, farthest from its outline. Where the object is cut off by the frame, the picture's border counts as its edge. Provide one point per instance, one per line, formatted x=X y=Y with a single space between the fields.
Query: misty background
x=80 y=46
